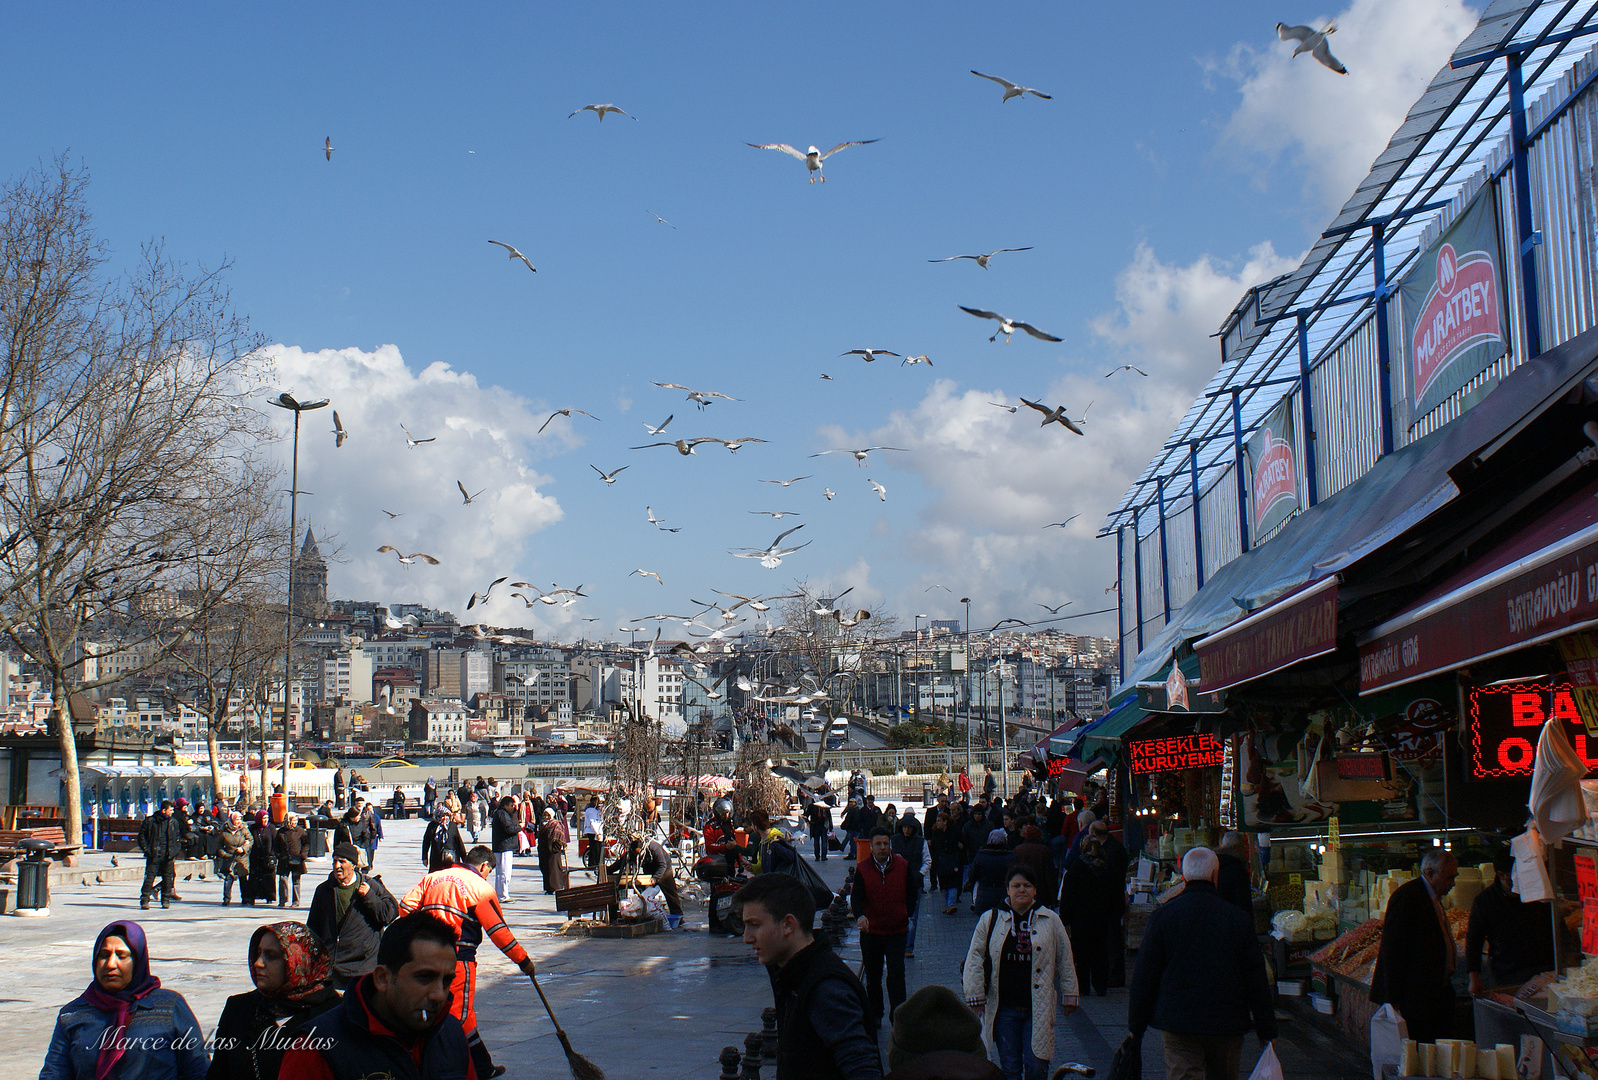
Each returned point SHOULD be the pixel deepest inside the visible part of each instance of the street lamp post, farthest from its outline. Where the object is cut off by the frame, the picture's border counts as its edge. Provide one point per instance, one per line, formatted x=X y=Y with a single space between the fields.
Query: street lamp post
x=920 y=663
x=1004 y=738
x=966 y=600
x=286 y=400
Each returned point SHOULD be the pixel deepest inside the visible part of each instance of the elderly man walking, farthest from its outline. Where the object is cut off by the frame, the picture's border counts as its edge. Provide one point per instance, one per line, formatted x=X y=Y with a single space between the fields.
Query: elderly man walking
x=1200 y=977
x=1417 y=958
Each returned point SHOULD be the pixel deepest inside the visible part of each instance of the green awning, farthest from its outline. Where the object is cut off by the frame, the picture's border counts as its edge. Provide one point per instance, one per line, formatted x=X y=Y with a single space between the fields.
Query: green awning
x=1103 y=743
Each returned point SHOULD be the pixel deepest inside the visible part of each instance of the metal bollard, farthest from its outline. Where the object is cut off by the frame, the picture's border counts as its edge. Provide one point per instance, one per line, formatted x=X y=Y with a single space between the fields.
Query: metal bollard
x=768 y=1035
x=751 y=1069
x=729 y=1063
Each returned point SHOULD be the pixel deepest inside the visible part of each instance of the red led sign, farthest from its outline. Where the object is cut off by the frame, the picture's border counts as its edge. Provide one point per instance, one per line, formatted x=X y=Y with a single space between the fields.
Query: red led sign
x=1362 y=766
x=1506 y=720
x=1175 y=752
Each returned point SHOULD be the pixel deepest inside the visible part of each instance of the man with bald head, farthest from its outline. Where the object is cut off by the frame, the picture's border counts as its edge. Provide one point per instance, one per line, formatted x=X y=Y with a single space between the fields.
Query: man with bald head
x=1200 y=978
x=1415 y=968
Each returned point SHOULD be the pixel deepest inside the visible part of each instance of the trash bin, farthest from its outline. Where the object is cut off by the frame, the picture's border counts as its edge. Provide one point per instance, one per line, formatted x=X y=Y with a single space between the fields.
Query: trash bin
x=278 y=806
x=33 y=877
x=318 y=840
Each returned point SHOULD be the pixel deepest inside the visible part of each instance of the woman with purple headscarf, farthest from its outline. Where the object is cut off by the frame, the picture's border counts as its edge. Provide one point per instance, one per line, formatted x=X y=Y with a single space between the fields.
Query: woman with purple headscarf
x=125 y=1026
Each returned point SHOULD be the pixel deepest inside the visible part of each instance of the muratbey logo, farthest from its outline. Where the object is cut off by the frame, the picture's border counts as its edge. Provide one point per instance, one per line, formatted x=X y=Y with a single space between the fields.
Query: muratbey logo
x=1275 y=476
x=1460 y=312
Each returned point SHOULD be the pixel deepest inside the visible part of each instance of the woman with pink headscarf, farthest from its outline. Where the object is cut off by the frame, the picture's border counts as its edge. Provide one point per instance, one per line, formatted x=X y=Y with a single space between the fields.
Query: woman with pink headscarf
x=125 y=1024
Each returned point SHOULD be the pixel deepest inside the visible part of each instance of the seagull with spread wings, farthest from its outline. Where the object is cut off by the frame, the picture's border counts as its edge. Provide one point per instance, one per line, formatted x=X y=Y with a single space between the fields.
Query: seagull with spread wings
x=777 y=514
x=607 y=107
x=785 y=483
x=327 y=147
x=869 y=354
x=1127 y=367
x=484 y=596
x=1056 y=609
x=651 y=213
x=1012 y=89
x=1008 y=326
x=391 y=514
x=1313 y=42
x=566 y=413
x=698 y=397
x=860 y=455
x=771 y=557
x=980 y=260
x=1057 y=415
x=514 y=254
x=647 y=573
x=607 y=477
x=732 y=445
x=1062 y=524
x=407 y=560
x=653 y=430
x=829 y=493
x=811 y=157
x=882 y=492
x=411 y=442
x=339 y=434
x=922 y=359
x=685 y=447
x=1011 y=409
x=467 y=498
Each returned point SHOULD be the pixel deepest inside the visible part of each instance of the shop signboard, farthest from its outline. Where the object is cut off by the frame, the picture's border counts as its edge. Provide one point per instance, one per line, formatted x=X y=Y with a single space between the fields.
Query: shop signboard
x=1580 y=653
x=1273 y=469
x=1452 y=304
x=1297 y=627
x=1539 y=598
x=1156 y=697
x=1174 y=753
x=1504 y=722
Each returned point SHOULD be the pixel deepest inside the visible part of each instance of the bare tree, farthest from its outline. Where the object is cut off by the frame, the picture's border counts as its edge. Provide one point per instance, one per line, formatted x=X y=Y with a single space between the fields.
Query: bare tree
x=125 y=449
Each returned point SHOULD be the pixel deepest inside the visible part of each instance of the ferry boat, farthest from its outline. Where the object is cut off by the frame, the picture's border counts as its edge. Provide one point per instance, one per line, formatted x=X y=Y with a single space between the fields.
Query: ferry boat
x=506 y=745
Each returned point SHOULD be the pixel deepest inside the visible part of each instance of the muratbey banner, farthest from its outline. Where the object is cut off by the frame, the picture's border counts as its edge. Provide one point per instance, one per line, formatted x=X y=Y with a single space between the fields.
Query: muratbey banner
x=1453 y=308
x=1273 y=469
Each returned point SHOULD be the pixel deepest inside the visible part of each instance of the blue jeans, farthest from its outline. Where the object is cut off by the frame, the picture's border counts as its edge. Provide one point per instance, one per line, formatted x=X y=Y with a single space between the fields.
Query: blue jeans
x=1012 y=1036
x=910 y=937
x=951 y=896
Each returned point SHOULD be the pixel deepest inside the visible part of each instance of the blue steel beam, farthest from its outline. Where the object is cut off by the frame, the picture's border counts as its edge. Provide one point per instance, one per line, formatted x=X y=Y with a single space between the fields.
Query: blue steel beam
x=1531 y=313
x=1165 y=562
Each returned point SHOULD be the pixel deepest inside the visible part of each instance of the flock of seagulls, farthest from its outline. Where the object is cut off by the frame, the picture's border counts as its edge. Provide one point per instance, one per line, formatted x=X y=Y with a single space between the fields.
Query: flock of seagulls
x=1306 y=39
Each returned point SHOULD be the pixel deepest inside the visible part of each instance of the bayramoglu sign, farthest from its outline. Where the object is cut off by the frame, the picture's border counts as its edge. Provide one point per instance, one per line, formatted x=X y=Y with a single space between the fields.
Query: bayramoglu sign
x=1273 y=469
x=1452 y=308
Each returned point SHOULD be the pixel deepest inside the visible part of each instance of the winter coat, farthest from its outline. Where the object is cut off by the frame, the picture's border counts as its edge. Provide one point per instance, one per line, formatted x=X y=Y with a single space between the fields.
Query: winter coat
x=913 y=848
x=1092 y=897
x=442 y=846
x=261 y=884
x=1034 y=854
x=290 y=850
x=352 y=942
x=232 y=859
x=987 y=875
x=1053 y=972
x=162 y=1017
x=507 y=826
x=945 y=850
x=245 y=1018
x=160 y=838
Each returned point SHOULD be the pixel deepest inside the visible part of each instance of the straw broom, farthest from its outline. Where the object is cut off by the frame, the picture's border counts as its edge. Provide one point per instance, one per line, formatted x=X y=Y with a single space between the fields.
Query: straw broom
x=581 y=1067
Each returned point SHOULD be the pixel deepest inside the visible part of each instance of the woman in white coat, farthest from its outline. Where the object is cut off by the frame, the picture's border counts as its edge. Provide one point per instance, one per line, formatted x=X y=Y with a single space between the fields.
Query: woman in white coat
x=1018 y=968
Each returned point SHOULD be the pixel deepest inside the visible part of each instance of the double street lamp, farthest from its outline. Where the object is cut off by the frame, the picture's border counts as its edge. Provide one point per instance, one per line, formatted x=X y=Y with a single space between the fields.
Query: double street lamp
x=285 y=400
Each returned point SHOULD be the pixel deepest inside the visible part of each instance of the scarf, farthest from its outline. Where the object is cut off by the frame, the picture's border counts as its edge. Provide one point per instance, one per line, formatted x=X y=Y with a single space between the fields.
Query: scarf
x=307 y=961
x=120 y=1003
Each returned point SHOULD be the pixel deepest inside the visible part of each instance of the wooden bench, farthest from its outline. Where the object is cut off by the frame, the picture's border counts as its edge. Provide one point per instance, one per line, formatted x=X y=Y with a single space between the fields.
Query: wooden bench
x=10 y=839
x=119 y=834
x=586 y=898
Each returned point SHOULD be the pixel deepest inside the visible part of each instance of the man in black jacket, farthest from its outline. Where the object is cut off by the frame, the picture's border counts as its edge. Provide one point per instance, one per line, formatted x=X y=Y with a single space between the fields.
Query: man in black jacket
x=1200 y=976
x=821 y=1006
x=1415 y=966
x=650 y=858
x=1234 y=885
x=162 y=844
x=1518 y=935
x=819 y=820
x=348 y=913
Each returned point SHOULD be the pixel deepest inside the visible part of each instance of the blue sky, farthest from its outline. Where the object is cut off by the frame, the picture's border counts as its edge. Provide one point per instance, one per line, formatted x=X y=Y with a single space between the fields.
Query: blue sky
x=1147 y=187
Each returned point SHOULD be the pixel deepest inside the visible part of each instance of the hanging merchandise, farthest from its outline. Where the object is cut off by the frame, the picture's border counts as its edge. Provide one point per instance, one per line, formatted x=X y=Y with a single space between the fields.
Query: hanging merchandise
x=1556 y=802
x=1531 y=868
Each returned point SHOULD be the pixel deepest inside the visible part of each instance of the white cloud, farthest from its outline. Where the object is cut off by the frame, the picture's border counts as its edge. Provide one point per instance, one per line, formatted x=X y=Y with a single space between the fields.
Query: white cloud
x=999 y=479
x=483 y=440
x=1333 y=126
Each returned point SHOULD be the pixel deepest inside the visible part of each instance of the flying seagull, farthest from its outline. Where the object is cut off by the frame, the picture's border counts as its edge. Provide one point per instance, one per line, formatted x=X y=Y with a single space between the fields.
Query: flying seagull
x=733 y=444
x=653 y=520
x=698 y=397
x=1012 y=89
x=860 y=455
x=647 y=573
x=602 y=110
x=980 y=260
x=811 y=157
x=1126 y=367
x=411 y=558
x=882 y=492
x=869 y=354
x=785 y=483
x=607 y=477
x=566 y=413
x=685 y=447
x=1007 y=408
x=651 y=213
x=486 y=593
x=327 y=147
x=1056 y=609
x=1057 y=415
x=1007 y=326
x=922 y=359
x=1312 y=42
x=465 y=496
x=778 y=514
x=825 y=376
x=829 y=493
x=516 y=254
x=412 y=443
x=339 y=434
x=662 y=427
x=771 y=557
x=1062 y=524
x=391 y=514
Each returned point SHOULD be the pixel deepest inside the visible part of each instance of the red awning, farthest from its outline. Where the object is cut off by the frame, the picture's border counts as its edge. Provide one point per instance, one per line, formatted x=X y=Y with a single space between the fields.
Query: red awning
x=1296 y=627
x=1540 y=585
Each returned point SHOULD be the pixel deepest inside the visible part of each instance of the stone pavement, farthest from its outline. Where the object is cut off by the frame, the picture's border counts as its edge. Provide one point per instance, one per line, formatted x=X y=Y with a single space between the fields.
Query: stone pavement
x=661 y=1006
